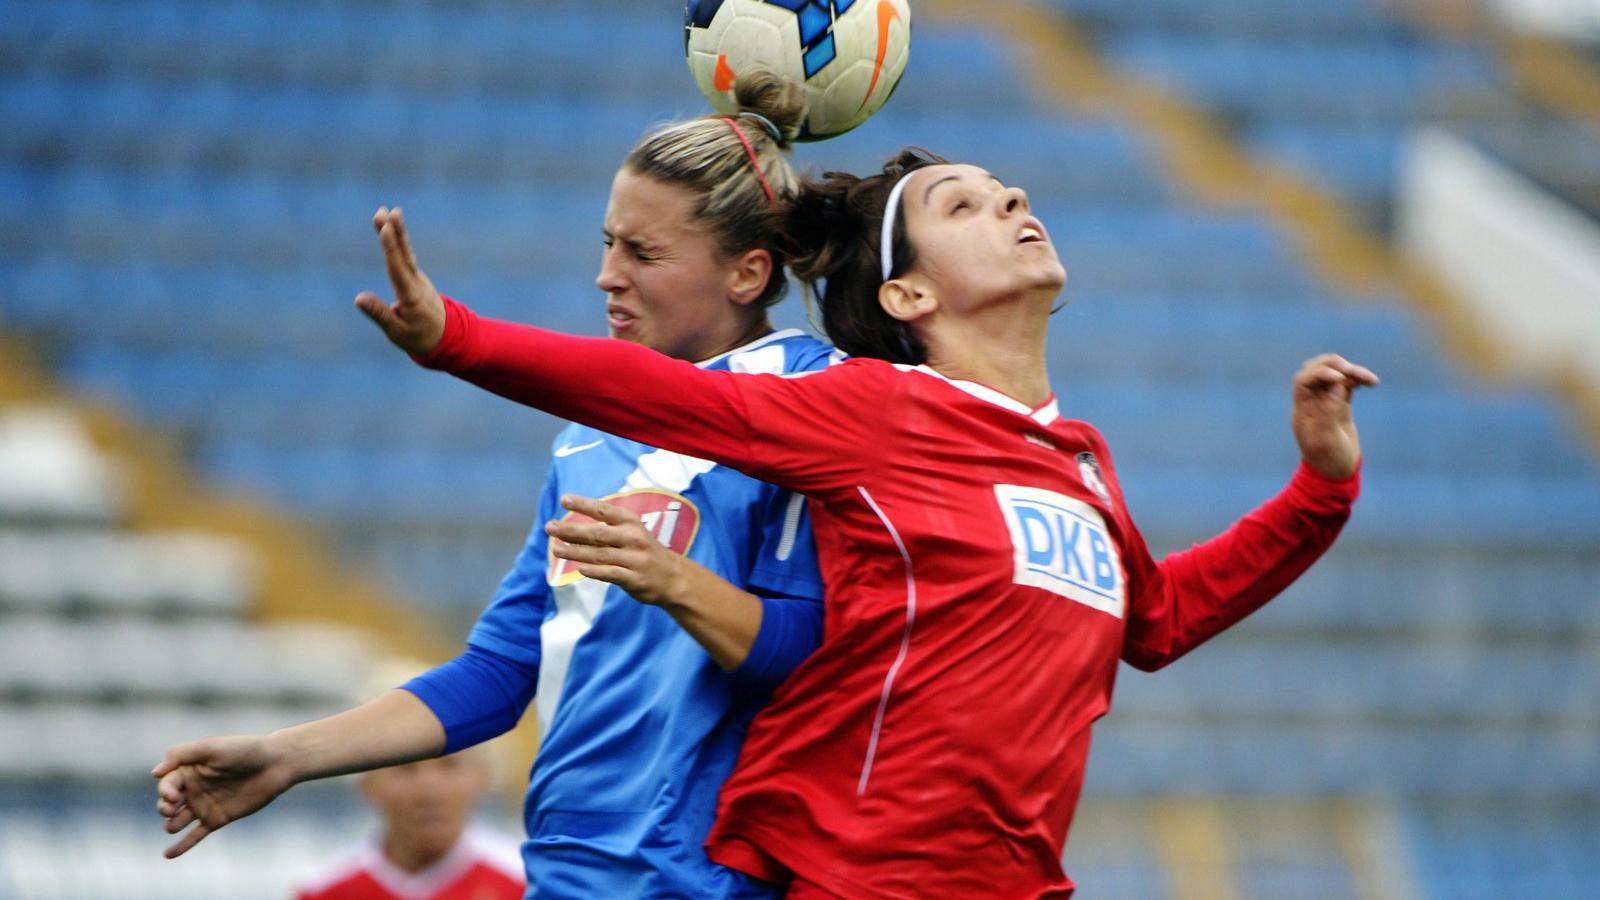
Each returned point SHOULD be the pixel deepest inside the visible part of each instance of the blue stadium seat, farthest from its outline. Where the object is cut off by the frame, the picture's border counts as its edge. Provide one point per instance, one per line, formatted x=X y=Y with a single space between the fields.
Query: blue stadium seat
x=1379 y=83
x=1101 y=335
x=1361 y=163
x=1304 y=18
x=1258 y=755
x=1277 y=676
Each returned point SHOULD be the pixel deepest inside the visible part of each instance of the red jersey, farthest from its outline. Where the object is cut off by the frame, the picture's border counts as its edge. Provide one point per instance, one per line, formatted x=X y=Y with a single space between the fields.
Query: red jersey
x=983 y=579
x=481 y=866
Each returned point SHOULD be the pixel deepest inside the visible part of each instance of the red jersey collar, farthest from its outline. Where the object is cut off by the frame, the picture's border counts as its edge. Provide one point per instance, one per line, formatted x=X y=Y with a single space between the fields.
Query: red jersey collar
x=1045 y=414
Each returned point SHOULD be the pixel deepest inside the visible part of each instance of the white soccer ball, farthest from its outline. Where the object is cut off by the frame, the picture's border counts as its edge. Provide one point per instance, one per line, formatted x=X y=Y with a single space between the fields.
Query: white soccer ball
x=849 y=54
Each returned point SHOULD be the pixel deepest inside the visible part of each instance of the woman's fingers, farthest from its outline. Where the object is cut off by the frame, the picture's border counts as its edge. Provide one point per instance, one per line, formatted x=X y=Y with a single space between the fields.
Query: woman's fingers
x=593 y=534
x=186 y=843
x=599 y=510
x=1360 y=375
x=178 y=820
x=170 y=787
x=604 y=524
x=398 y=257
x=401 y=275
x=381 y=313
x=1325 y=376
x=169 y=800
x=584 y=552
x=626 y=579
x=397 y=218
x=1331 y=368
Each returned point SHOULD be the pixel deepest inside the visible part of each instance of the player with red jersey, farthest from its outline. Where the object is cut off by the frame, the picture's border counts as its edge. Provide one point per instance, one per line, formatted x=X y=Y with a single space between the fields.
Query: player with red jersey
x=983 y=573
x=428 y=847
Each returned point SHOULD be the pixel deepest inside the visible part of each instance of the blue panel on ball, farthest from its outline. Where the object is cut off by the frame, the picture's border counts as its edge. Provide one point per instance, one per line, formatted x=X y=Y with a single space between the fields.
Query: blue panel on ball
x=814 y=22
x=698 y=13
x=793 y=6
x=840 y=7
x=819 y=56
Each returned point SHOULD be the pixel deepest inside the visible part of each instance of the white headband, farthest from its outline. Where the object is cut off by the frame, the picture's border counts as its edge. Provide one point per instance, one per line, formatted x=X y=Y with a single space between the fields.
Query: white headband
x=890 y=210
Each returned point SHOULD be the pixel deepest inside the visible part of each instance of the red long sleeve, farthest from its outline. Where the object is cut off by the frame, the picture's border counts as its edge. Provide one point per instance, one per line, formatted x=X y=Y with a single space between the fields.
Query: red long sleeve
x=616 y=386
x=797 y=432
x=1191 y=596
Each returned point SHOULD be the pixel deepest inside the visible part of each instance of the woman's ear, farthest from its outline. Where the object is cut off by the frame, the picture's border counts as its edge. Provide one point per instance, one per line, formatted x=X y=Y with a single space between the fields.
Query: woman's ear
x=905 y=301
x=748 y=276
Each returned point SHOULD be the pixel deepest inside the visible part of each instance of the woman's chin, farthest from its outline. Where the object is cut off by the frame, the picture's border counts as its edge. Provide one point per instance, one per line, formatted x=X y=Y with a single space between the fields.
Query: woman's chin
x=1048 y=284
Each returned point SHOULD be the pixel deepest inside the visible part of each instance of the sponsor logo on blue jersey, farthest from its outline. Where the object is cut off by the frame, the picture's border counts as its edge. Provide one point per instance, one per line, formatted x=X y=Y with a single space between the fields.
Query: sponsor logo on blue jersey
x=1061 y=544
x=669 y=517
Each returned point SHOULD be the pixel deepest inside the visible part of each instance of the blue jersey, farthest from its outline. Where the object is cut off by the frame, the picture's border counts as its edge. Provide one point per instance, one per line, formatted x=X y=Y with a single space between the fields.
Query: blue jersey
x=639 y=726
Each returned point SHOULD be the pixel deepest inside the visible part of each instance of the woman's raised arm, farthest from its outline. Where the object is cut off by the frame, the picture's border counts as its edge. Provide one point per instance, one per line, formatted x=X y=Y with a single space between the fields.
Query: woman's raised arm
x=807 y=433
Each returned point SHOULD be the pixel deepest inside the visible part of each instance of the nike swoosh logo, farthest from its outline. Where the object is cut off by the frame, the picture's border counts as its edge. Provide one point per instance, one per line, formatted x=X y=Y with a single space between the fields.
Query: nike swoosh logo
x=886 y=14
x=567 y=449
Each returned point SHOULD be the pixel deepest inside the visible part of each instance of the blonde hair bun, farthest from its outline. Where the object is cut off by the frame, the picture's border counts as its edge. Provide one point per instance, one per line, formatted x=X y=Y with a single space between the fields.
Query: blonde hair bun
x=779 y=100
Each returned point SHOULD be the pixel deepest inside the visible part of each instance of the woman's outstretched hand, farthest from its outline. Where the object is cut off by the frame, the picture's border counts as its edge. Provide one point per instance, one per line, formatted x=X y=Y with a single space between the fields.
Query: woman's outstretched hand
x=415 y=321
x=212 y=782
x=1324 y=426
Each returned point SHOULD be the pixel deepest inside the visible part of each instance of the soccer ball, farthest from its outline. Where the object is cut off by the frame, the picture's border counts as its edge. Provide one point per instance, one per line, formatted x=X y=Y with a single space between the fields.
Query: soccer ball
x=849 y=54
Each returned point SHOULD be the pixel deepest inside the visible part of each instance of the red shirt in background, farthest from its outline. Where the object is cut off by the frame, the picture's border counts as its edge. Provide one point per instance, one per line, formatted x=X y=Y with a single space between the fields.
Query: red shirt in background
x=482 y=866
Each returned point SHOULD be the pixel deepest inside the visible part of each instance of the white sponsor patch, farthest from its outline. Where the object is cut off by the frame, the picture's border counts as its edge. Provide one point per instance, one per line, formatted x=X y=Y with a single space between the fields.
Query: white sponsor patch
x=1061 y=545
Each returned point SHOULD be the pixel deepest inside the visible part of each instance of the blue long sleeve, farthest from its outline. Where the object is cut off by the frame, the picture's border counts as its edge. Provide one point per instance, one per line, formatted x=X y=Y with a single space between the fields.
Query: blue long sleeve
x=790 y=629
x=477 y=696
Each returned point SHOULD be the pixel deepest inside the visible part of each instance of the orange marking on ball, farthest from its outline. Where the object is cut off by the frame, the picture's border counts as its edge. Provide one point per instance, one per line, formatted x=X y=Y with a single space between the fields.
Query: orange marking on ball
x=724 y=76
x=886 y=15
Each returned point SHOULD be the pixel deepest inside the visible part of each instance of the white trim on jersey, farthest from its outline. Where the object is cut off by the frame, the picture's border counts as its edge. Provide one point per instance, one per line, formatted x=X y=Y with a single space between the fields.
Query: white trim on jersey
x=791 y=527
x=905 y=641
x=1047 y=413
x=753 y=345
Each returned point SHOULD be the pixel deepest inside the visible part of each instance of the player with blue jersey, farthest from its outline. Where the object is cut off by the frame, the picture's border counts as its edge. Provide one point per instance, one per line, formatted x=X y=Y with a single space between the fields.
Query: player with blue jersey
x=640 y=725
x=643 y=694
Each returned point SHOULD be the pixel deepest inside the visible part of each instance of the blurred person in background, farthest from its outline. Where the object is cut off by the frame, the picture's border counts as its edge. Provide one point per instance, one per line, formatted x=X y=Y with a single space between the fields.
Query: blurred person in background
x=643 y=699
x=427 y=847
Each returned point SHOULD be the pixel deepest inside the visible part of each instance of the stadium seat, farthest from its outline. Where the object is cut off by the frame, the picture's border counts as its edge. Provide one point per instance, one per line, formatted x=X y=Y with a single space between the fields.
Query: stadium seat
x=50 y=471
x=62 y=570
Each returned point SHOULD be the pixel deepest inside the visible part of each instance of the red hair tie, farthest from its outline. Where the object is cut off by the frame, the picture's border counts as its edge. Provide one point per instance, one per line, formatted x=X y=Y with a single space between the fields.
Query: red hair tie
x=754 y=163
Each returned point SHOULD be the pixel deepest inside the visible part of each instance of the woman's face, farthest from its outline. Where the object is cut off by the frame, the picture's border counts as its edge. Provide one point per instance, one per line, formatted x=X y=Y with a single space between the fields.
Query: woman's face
x=976 y=239
x=666 y=285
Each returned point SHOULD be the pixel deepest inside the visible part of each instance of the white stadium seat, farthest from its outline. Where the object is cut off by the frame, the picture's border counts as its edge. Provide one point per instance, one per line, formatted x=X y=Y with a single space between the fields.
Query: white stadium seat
x=49 y=469
x=52 y=569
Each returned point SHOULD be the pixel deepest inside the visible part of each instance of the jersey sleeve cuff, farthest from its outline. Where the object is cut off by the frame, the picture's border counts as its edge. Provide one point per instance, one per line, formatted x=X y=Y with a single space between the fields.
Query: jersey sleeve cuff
x=476 y=696
x=790 y=630
x=458 y=320
x=1317 y=492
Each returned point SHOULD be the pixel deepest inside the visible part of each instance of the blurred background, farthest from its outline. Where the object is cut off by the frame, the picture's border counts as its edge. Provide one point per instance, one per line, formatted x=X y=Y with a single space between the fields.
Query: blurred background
x=225 y=502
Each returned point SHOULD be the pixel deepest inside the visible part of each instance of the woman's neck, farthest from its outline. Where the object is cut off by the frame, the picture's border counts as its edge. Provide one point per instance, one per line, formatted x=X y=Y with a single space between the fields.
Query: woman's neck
x=1004 y=352
x=735 y=338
